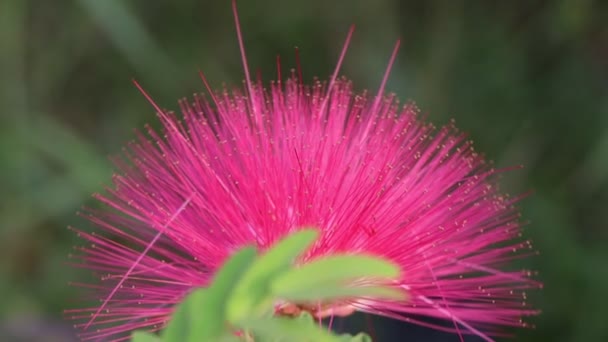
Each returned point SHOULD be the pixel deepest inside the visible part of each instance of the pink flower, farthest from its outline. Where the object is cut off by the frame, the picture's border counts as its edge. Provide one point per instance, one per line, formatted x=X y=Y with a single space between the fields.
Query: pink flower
x=252 y=166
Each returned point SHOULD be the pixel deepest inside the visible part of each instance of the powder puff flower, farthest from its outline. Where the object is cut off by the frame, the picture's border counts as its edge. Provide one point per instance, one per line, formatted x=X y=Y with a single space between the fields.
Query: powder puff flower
x=252 y=165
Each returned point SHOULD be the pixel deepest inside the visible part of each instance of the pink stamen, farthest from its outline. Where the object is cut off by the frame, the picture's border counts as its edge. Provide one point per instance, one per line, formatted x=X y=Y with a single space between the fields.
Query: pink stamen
x=334 y=76
x=138 y=260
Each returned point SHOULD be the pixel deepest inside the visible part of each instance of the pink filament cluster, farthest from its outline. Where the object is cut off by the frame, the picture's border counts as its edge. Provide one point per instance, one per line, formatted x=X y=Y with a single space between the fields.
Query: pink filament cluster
x=249 y=167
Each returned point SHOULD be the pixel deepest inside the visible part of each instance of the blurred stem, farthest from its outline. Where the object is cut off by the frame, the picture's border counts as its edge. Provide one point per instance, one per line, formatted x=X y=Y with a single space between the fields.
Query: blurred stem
x=23 y=140
x=12 y=45
x=13 y=89
x=445 y=38
x=131 y=38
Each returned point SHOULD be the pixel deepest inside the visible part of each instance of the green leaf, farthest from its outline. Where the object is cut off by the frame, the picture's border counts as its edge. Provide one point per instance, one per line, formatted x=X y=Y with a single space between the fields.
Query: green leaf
x=253 y=291
x=229 y=337
x=143 y=336
x=179 y=328
x=328 y=293
x=213 y=311
x=305 y=317
x=201 y=316
x=324 y=277
x=287 y=329
x=361 y=337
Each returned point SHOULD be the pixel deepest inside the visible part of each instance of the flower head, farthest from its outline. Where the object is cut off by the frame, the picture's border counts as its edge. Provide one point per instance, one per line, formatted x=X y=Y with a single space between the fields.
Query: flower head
x=250 y=166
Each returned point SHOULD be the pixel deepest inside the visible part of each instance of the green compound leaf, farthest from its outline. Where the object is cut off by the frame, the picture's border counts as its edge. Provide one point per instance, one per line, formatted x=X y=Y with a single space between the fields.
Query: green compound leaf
x=361 y=337
x=306 y=317
x=286 y=329
x=252 y=295
x=181 y=324
x=241 y=295
x=230 y=337
x=213 y=310
x=143 y=336
x=336 y=292
x=201 y=317
x=332 y=277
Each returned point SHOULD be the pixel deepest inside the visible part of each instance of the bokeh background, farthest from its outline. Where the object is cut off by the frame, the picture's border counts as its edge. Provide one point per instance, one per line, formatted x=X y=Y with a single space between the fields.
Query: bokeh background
x=527 y=79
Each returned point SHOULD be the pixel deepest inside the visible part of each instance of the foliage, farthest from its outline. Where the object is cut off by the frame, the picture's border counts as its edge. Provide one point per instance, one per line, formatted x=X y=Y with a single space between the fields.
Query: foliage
x=240 y=301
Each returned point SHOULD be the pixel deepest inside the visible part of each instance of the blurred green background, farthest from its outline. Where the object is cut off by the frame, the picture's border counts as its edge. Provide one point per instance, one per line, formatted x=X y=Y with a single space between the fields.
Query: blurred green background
x=527 y=79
